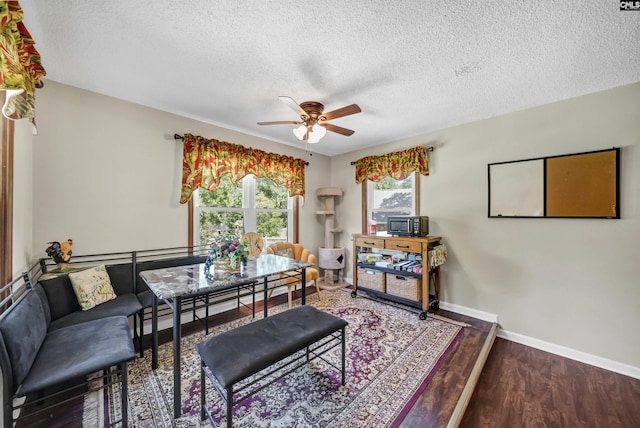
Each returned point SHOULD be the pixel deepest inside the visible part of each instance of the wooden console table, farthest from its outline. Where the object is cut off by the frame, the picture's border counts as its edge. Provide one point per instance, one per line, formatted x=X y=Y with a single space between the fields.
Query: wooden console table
x=407 y=286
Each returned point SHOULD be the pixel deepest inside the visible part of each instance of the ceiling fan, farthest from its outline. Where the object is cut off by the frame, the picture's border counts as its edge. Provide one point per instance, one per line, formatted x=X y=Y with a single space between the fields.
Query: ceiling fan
x=313 y=121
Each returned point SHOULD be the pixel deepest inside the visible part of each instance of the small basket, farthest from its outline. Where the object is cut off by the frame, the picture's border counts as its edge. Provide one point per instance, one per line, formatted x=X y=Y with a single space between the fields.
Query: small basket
x=406 y=287
x=371 y=279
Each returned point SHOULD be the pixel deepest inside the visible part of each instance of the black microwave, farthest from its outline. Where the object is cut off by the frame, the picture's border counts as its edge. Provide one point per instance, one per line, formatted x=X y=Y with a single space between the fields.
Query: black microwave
x=408 y=225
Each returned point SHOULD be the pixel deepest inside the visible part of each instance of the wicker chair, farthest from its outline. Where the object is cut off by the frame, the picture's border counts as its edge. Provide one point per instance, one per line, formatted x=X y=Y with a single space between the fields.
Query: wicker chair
x=298 y=252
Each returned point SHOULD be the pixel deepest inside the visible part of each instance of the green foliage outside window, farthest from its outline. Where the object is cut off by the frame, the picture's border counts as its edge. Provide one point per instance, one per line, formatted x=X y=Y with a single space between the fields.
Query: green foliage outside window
x=227 y=195
x=270 y=224
x=268 y=195
x=391 y=183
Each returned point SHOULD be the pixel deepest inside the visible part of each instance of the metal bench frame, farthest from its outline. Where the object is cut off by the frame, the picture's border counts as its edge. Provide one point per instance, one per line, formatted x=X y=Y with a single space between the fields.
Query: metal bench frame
x=249 y=386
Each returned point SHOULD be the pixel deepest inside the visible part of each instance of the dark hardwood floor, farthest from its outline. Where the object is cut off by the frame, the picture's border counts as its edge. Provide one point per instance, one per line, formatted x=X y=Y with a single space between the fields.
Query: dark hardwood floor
x=436 y=405
x=522 y=386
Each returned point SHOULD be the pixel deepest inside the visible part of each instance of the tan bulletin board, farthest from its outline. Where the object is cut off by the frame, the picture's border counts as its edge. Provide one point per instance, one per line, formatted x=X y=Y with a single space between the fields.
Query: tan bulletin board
x=583 y=185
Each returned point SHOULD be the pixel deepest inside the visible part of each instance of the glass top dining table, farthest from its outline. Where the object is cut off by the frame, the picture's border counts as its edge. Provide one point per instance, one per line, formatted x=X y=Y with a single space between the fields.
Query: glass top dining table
x=171 y=284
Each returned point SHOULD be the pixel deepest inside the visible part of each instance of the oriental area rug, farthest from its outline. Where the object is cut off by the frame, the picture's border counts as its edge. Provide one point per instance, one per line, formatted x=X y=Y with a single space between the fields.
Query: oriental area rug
x=391 y=357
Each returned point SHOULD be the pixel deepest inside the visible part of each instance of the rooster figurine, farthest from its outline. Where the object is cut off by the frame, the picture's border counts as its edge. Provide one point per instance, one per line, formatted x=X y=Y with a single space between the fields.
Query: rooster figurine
x=60 y=253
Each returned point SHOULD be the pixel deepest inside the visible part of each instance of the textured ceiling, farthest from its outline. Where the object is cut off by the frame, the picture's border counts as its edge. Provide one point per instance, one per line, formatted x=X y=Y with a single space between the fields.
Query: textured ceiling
x=413 y=66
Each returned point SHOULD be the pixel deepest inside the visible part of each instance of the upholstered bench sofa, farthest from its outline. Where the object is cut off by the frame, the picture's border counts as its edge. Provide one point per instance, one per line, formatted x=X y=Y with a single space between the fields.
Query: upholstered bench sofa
x=40 y=360
x=66 y=310
x=132 y=296
x=58 y=316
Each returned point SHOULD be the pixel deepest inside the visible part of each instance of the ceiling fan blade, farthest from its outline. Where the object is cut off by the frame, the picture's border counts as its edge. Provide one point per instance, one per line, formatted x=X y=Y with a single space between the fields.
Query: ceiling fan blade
x=294 y=105
x=338 y=129
x=344 y=111
x=281 y=122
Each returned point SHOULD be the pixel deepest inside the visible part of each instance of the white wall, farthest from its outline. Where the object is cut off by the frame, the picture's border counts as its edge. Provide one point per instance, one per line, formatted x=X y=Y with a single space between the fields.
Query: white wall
x=107 y=173
x=570 y=282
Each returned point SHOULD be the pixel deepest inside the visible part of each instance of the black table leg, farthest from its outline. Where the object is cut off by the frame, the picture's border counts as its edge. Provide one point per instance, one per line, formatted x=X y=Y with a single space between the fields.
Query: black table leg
x=154 y=332
x=304 y=286
x=265 y=296
x=177 y=402
x=344 y=352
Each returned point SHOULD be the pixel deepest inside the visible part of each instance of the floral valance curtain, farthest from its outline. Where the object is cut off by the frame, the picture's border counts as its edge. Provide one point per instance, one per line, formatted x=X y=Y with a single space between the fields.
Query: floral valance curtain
x=20 y=67
x=396 y=165
x=206 y=161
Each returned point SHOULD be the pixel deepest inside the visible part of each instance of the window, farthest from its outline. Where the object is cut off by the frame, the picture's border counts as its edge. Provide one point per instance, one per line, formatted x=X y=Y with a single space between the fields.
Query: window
x=390 y=197
x=249 y=205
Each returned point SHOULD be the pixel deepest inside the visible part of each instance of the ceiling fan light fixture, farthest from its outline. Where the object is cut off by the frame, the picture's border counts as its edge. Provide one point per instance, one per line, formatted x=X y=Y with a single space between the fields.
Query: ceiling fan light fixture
x=313 y=138
x=318 y=130
x=316 y=133
x=300 y=132
x=314 y=121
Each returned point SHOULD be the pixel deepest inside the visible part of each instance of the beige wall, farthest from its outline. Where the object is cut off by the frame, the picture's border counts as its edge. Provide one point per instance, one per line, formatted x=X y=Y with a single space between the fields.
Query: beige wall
x=571 y=282
x=106 y=173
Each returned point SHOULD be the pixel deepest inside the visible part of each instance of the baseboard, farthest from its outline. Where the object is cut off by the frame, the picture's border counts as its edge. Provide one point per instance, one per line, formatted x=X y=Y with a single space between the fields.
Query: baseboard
x=562 y=351
x=462 y=310
x=573 y=354
x=473 y=313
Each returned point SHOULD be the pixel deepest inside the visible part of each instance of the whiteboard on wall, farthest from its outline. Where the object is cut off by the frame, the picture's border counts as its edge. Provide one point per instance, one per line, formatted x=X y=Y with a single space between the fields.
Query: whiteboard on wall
x=516 y=189
x=578 y=185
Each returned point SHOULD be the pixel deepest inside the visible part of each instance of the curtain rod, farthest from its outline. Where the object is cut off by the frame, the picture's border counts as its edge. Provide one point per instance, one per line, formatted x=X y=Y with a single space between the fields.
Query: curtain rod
x=181 y=137
x=429 y=149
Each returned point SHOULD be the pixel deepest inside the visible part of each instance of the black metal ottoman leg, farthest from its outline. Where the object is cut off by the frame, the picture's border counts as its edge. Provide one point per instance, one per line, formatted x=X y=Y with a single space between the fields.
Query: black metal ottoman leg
x=230 y=406
x=343 y=357
x=203 y=387
x=124 y=377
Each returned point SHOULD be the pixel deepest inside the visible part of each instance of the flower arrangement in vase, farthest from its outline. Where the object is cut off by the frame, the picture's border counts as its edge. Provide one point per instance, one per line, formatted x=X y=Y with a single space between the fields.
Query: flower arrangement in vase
x=227 y=253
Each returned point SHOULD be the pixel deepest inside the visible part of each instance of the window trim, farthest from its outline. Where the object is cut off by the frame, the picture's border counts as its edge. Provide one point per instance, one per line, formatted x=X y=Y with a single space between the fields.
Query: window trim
x=6 y=196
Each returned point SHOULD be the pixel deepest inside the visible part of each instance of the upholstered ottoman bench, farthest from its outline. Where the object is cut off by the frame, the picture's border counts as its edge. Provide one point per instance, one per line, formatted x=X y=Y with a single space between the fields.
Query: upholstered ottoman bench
x=232 y=357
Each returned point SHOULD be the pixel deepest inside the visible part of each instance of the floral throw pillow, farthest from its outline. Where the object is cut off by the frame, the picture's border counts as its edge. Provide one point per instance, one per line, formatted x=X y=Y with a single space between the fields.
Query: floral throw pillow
x=285 y=253
x=92 y=287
